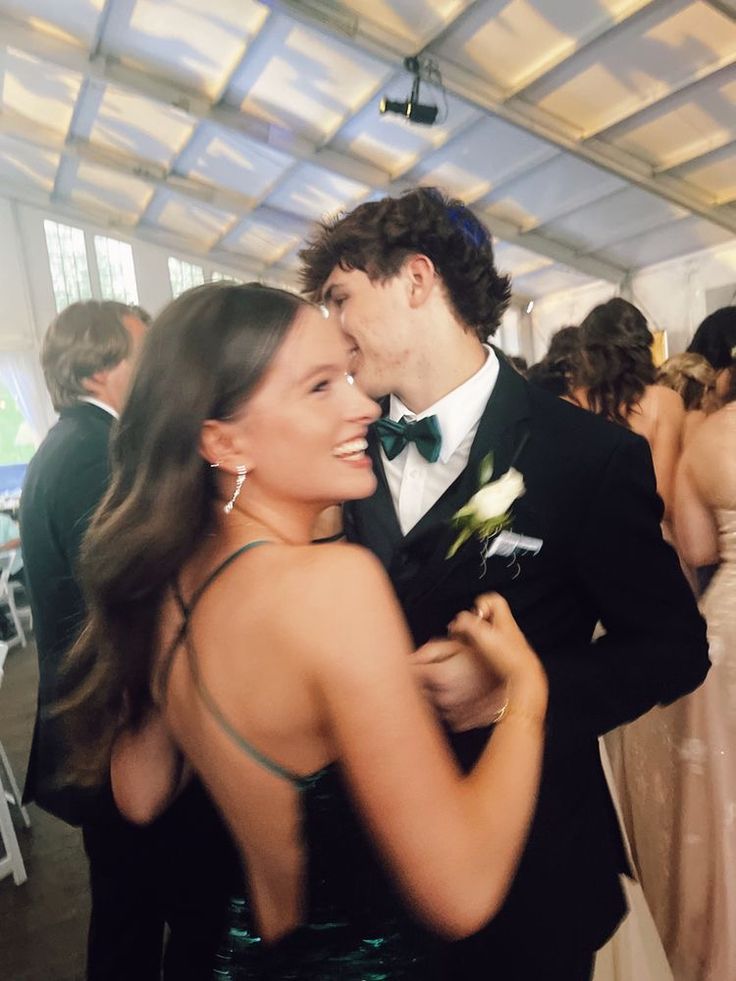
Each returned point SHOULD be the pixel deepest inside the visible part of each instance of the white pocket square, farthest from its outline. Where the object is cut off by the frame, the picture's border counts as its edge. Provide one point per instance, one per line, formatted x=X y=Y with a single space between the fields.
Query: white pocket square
x=509 y=543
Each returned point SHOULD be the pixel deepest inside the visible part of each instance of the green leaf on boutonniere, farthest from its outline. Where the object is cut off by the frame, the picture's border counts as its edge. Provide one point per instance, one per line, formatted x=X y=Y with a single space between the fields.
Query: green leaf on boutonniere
x=465 y=533
x=485 y=471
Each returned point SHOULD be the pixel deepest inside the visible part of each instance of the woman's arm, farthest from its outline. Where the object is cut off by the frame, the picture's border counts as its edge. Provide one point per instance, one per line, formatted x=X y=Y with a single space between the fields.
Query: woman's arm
x=696 y=533
x=147 y=770
x=453 y=842
x=666 y=443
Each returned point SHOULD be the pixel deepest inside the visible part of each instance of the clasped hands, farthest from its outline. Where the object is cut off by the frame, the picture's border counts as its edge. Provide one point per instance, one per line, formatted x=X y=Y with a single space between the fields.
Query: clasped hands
x=458 y=682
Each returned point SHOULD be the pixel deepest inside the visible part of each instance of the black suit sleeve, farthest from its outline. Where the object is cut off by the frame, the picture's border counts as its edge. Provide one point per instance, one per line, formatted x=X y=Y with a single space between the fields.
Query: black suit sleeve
x=77 y=501
x=655 y=648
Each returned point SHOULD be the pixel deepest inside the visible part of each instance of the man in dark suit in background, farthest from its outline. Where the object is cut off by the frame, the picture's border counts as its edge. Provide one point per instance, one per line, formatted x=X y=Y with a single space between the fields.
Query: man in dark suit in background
x=414 y=285
x=178 y=869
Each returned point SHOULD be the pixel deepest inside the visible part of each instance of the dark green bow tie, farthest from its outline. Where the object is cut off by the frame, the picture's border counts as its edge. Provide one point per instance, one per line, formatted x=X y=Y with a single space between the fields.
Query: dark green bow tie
x=425 y=433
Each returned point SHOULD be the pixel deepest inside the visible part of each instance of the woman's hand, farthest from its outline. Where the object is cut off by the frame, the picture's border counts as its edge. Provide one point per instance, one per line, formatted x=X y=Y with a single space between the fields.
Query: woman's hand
x=492 y=631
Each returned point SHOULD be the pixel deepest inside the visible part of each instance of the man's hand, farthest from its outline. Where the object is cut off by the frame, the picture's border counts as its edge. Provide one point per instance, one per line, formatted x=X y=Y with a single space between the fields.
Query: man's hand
x=463 y=690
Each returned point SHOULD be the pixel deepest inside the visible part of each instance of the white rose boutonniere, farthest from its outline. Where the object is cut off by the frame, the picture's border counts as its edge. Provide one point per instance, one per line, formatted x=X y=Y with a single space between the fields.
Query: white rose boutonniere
x=488 y=510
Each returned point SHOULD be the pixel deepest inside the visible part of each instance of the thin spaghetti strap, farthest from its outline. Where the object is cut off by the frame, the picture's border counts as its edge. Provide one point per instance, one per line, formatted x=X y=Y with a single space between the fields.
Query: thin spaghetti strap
x=167 y=659
x=217 y=571
x=184 y=635
x=176 y=590
x=255 y=754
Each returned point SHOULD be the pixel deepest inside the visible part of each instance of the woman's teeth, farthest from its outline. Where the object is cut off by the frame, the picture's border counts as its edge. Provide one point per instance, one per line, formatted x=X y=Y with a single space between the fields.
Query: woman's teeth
x=352 y=449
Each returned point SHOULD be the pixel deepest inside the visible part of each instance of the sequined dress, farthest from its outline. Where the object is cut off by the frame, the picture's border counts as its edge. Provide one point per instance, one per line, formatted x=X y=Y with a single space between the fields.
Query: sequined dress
x=676 y=774
x=355 y=927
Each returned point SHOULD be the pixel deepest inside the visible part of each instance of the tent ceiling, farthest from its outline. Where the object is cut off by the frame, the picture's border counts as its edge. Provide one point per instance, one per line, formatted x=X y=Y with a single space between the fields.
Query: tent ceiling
x=593 y=136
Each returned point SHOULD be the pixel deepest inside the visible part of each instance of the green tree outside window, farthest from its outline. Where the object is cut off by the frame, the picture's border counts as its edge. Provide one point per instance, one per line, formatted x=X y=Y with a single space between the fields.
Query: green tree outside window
x=16 y=442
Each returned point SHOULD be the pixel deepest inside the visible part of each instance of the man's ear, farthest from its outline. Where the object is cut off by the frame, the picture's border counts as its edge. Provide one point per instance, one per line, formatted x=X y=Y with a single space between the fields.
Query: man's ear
x=421 y=278
x=219 y=443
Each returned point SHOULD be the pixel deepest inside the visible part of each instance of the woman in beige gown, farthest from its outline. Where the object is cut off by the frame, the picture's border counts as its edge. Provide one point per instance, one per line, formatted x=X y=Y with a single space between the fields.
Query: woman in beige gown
x=701 y=926
x=615 y=379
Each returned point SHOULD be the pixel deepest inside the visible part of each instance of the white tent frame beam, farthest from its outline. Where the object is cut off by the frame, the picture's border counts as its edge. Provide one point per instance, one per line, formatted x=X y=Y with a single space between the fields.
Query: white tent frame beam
x=675 y=97
x=594 y=266
x=484 y=95
x=149 y=172
x=325 y=145
x=247 y=206
x=646 y=16
x=179 y=245
x=73 y=58
x=727 y=7
x=106 y=69
x=690 y=161
x=467 y=86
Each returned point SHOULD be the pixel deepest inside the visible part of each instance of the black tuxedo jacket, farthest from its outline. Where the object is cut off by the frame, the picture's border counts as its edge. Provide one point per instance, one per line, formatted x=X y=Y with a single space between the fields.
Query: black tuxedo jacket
x=591 y=497
x=64 y=483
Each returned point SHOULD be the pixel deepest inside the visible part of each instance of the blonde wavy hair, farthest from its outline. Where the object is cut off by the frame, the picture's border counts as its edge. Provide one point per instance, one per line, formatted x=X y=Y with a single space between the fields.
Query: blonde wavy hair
x=691 y=376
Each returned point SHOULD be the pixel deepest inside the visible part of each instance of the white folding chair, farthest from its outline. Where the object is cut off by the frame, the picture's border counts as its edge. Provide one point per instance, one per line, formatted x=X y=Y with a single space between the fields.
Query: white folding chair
x=8 y=590
x=13 y=860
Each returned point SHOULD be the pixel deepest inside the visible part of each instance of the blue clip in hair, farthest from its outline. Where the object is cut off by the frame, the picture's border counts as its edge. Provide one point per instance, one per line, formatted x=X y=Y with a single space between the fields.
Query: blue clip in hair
x=464 y=219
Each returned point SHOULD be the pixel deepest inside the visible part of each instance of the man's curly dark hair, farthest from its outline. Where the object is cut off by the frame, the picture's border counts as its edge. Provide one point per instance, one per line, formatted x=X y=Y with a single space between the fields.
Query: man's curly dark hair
x=377 y=237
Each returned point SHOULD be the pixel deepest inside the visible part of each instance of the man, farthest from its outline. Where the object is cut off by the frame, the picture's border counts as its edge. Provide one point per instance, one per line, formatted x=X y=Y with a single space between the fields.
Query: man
x=139 y=878
x=413 y=283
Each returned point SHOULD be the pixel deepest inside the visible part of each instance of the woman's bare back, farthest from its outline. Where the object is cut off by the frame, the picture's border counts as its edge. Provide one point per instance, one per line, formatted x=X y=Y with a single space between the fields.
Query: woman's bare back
x=234 y=691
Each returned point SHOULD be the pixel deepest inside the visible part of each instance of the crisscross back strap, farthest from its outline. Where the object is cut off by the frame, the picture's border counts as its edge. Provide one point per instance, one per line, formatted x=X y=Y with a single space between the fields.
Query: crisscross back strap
x=183 y=635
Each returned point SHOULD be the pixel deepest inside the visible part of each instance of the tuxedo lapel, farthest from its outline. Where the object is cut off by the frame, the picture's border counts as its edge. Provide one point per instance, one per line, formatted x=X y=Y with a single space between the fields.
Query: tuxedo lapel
x=504 y=426
x=373 y=522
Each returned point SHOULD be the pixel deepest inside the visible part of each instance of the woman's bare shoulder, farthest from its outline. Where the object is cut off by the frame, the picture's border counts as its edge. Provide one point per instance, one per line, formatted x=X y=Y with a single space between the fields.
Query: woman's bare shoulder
x=664 y=400
x=339 y=570
x=715 y=434
x=339 y=596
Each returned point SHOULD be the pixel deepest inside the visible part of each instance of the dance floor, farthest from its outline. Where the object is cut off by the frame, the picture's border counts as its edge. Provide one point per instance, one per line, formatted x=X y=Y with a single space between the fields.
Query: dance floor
x=43 y=922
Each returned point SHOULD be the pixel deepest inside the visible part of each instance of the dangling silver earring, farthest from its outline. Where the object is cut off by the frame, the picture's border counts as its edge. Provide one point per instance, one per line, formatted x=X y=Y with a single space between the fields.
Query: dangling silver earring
x=239 y=481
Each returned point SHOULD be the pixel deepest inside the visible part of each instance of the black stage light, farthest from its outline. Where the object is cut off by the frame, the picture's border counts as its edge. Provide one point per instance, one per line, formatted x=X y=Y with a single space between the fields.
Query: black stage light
x=414 y=110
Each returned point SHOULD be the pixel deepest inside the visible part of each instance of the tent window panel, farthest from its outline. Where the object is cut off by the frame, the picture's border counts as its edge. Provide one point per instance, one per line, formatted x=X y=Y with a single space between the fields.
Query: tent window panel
x=220 y=277
x=67 y=263
x=183 y=275
x=117 y=272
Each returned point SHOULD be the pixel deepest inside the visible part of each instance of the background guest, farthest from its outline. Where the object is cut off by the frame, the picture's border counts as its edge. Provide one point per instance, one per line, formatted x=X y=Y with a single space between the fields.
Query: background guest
x=694 y=380
x=556 y=371
x=139 y=879
x=715 y=339
x=616 y=380
x=697 y=914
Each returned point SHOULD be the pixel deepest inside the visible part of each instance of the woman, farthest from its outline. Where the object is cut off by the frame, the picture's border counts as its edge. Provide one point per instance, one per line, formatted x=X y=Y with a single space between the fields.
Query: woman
x=280 y=668
x=694 y=380
x=557 y=369
x=701 y=940
x=616 y=380
x=715 y=340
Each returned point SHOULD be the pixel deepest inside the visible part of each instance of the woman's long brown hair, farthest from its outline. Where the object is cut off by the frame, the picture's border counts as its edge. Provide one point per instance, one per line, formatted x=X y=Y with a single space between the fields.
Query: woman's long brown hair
x=202 y=358
x=616 y=363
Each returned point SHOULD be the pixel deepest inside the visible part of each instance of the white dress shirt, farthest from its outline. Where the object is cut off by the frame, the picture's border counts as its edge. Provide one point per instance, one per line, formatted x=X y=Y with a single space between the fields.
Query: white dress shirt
x=101 y=405
x=416 y=484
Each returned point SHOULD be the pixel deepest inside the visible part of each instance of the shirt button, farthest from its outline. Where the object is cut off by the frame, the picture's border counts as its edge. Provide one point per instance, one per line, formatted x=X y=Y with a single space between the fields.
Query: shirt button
x=414 y=474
